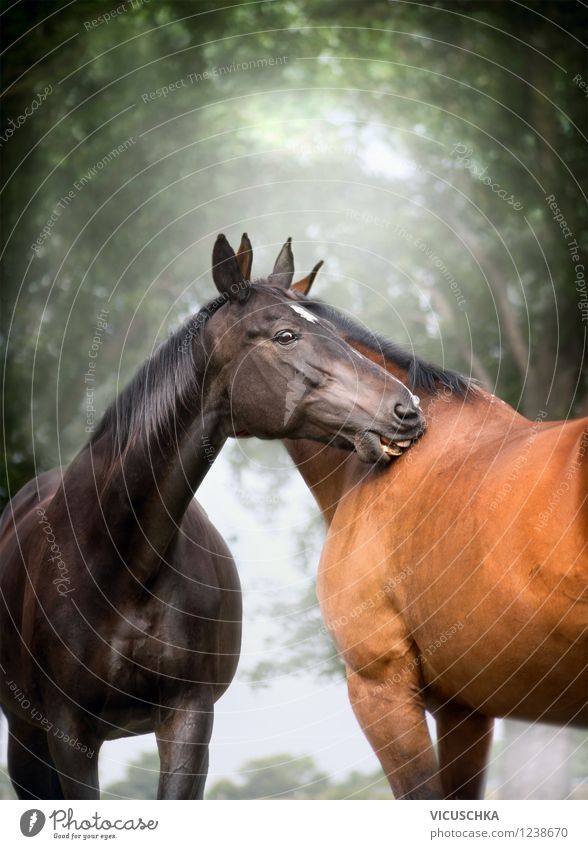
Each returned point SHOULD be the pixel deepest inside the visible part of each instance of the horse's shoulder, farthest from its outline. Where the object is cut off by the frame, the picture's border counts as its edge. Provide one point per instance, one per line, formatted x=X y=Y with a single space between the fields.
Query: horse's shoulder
x=197 y=520
x=199 y=537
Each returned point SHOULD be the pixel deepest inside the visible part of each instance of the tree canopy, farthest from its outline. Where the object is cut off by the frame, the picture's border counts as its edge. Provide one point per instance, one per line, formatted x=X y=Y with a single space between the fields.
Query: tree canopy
x=413 y=146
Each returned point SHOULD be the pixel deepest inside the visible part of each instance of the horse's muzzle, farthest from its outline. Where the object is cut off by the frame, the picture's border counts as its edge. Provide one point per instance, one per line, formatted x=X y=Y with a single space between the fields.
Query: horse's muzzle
x=373 y=447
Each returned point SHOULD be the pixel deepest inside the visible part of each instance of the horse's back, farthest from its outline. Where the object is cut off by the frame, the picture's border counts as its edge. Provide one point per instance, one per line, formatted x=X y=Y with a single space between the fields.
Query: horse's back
x=20 y=531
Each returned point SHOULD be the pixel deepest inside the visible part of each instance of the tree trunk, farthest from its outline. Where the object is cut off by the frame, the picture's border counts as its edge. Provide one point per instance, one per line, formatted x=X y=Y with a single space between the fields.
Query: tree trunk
x=536 y=762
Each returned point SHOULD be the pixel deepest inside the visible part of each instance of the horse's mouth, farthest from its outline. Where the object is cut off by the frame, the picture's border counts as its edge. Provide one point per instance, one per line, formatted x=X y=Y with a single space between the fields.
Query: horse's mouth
x=394 y=448
x=373 y=447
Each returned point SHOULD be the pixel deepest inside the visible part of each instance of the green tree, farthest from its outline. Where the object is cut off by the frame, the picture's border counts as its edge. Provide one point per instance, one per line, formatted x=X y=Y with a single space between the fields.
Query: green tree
x=140 y=780
x=275 y=777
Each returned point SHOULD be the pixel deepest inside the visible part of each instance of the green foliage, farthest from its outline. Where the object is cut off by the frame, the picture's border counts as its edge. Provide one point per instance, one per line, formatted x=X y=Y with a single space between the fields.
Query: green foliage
x=305 y=644
x=140 y=781
x=279 y=776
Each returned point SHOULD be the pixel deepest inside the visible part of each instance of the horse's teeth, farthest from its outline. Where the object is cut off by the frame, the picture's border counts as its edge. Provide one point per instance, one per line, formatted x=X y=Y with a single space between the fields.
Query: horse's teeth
x=392 y=450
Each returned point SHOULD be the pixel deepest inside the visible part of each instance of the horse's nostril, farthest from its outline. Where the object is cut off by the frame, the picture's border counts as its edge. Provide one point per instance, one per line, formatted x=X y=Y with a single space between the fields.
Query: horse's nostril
x=407 y=414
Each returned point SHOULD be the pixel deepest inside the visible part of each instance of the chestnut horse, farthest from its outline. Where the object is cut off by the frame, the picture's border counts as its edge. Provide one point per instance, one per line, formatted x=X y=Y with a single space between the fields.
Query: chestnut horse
x=120 y=606
x=453 y=580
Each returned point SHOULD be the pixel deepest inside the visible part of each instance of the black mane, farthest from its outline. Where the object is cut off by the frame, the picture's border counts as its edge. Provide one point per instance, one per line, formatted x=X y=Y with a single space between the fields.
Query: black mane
x=168 y=382
x=421 y=375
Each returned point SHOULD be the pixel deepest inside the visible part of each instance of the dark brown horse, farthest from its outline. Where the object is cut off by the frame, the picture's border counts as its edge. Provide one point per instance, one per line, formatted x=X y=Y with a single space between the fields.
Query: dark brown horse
x=120 y=606
x=455 y=580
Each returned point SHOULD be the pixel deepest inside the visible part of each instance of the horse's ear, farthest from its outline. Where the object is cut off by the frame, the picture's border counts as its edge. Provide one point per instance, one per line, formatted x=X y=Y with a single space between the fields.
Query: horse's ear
x=284 y=267
x=303 y=286
x=225 y=271
x=245 y=257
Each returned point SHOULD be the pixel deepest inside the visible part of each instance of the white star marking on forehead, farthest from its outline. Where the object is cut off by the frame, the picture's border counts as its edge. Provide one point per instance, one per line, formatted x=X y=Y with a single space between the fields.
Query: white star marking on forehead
x=304 y=313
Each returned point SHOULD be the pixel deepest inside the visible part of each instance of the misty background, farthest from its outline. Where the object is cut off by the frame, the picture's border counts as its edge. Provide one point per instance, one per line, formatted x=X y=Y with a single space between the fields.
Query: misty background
x=428 y=152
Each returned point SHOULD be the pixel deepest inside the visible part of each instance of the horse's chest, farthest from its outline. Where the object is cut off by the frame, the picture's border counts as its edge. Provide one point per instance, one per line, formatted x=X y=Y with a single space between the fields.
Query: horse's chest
x=162 y=640
x=357 y=606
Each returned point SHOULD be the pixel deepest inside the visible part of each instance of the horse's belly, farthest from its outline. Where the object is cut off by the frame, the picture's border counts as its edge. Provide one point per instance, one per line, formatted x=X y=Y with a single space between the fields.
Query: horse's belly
x=120 y=725
x=526 y=673
x=519 y=601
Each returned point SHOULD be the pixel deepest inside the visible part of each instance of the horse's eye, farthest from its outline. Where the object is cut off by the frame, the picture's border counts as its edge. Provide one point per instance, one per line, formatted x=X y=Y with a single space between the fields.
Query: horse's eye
x=286 y=337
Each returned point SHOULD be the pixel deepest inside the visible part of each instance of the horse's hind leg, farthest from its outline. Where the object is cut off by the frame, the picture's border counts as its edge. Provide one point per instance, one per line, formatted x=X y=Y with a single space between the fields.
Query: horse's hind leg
x=464 y=739
x=30 y=765
x=182 y=739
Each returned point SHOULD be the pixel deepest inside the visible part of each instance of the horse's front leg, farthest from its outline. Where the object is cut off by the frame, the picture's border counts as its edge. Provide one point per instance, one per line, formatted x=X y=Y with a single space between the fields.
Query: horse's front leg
x=30 y=765
x=464 y=739
x=391 y=712
x=74 y=748
x=183 y=735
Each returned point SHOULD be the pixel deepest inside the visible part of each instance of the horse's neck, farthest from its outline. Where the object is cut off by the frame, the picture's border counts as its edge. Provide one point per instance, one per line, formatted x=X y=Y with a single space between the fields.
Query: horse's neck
x=330 y=473
x=324 y=471
x=142 y=495
x=153 y=449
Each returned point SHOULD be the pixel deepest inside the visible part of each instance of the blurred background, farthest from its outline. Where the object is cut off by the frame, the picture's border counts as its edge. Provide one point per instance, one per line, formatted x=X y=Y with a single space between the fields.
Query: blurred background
x=432 y=153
